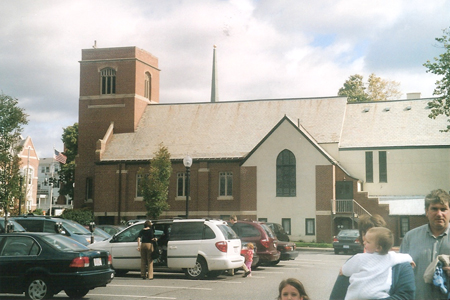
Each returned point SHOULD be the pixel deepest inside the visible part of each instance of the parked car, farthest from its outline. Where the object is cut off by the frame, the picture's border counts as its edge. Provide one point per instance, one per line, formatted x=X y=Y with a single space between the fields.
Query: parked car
x=43 y=264
x=111 y=229
x=16 y=226
x=72 y=229
x=347 y=240
x=262 y=237
x=99 y=232
x=199 y=247
x=288 y=249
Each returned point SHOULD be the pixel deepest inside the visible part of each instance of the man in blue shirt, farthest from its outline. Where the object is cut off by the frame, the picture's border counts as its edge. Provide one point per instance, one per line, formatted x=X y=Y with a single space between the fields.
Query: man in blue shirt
x=426 y=242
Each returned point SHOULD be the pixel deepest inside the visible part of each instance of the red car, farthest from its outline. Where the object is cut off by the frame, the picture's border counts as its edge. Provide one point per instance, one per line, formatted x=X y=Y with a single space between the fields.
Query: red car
x=262 y=237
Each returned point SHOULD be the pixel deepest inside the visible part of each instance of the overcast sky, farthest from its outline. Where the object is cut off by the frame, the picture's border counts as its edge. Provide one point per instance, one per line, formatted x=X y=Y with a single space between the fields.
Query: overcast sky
x=266 y=49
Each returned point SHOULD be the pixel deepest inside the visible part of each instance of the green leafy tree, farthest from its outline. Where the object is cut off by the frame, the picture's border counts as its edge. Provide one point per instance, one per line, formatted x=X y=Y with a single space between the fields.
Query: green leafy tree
x=67 y=172
x=12 y=120
x=154 y=183
x=441 y=67
x=354 y=89
x=378 y=89
x=83 y=216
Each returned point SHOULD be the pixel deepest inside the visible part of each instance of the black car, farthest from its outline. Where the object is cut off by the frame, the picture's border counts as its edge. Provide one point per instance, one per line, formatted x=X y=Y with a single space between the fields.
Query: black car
x=287 y=248
x=347 y=240
x=43 y=264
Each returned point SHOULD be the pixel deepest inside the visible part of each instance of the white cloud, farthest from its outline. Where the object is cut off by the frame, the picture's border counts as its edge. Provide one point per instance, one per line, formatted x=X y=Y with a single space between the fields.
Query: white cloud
x=265 y=49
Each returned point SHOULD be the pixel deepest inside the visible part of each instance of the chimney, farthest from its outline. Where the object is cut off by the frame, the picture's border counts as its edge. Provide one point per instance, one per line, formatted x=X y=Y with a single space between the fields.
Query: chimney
x=413 y=95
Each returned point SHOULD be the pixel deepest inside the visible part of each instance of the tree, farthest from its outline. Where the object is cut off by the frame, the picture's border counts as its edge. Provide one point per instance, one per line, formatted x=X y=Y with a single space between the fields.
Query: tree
x=154 y=183
x=354 y=89
x=378 y=89
x=441 y=67
x=12 y=119
x=67 y=172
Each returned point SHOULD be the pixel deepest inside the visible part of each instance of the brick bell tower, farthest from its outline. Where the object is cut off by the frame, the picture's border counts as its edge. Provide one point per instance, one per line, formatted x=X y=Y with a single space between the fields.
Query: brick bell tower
x=116 y=85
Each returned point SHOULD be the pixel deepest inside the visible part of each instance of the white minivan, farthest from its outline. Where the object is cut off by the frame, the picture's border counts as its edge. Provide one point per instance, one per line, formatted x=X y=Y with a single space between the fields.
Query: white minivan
x=199 y=247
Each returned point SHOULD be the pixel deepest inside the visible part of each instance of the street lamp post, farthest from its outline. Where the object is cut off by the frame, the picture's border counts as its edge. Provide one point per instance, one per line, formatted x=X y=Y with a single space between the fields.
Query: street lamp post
x=187 y=161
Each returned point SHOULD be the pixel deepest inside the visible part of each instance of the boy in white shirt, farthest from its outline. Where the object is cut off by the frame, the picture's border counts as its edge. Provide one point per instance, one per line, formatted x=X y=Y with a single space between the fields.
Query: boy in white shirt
x=371 y=272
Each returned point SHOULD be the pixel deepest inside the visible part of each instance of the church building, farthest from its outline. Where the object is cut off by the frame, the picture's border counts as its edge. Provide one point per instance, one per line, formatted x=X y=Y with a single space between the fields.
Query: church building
x=313 y=165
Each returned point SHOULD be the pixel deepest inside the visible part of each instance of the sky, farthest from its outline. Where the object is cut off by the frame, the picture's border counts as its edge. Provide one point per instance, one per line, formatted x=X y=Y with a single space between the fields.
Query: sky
x=265 y=49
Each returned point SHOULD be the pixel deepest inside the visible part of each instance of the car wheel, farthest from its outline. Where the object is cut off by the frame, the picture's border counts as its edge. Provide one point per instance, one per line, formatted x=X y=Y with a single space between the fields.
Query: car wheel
x=38 y=289
x=76 y=293
x=199 y=271
x=274 y=263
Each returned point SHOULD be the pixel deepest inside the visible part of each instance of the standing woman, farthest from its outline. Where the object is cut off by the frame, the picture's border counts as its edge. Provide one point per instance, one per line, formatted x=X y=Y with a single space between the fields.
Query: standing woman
x=145 y=246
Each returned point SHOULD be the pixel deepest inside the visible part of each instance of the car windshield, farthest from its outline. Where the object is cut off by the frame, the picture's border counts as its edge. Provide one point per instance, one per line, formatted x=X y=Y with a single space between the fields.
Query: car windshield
x=228 y=233
x=348 y=233
x=74 y=227
x=63 y=243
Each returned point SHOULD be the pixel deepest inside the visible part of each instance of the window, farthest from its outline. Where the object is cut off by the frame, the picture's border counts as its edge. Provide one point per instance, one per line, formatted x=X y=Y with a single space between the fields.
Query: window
x=262 y=219
x=225 y=184
x=404 y=226
x=286 y=174
x=310 y=228
x=286 y=223
x=89 y=189
x=181 y=184
x=108 y=81
x=148 y=86
x=369 y=166
x=382 y=160
x=138 y=182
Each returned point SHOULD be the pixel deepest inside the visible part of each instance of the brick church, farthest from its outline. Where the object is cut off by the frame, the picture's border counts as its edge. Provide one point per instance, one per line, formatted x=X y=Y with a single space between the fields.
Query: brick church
x=313 y=165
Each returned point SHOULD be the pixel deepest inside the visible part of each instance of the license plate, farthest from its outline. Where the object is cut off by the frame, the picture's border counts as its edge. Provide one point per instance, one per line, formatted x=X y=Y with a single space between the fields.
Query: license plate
x=97 y=261
x=346 y=246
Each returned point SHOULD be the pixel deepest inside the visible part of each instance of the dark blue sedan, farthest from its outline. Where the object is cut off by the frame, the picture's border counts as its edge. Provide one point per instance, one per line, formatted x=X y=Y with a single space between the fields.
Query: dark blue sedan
x=43 y=264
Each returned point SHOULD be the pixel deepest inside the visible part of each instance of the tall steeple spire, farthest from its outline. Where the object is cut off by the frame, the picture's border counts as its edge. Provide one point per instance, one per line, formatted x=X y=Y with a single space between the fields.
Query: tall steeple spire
x=214 y=85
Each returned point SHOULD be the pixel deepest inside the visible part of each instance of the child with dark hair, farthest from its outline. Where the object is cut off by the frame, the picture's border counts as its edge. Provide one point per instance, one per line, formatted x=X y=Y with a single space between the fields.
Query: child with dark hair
x=370 y=272
x=292 y=289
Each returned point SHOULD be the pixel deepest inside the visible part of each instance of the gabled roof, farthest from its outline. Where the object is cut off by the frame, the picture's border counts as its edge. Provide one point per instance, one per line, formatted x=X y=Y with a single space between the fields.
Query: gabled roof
x=400 y=123
x=306 y=135
x=223 y=130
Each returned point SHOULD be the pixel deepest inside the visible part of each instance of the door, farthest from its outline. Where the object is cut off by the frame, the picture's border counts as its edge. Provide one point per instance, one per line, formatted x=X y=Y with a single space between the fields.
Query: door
x=125 y=255
x=344 y=189
x=184 y=243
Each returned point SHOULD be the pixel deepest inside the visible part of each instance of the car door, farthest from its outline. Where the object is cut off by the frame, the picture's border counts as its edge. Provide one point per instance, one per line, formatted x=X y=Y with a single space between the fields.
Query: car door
x=124 y=249
x=185 y=240
x=17 y=254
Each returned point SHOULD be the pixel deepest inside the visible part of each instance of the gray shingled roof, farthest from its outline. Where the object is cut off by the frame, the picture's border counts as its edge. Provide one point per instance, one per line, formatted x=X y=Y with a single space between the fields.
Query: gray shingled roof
x=401 y=123
x=223 y=129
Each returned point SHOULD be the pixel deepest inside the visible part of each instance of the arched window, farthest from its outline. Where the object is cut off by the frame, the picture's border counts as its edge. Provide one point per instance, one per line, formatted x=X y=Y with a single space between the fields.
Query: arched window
x=286 y=174
x=108 y=81
x=148 y=86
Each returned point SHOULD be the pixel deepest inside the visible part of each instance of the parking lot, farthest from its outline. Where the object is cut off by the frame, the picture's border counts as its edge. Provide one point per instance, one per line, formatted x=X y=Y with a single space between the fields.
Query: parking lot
x=316 y=269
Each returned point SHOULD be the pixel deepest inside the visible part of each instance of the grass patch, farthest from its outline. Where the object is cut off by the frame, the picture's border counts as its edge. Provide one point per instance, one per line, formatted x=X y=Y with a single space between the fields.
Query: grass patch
x=314 y=245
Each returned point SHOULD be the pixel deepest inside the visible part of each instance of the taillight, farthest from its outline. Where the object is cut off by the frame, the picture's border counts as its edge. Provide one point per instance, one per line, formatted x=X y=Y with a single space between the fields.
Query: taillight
x=265 y=243
x=109 y=259
x=335 y=240
x=357 y=241
x=222 y=246
x=80 y=262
